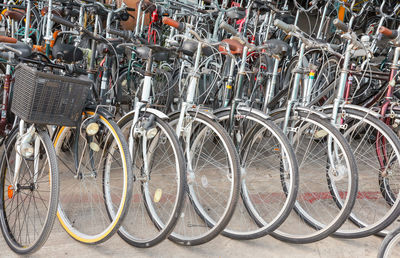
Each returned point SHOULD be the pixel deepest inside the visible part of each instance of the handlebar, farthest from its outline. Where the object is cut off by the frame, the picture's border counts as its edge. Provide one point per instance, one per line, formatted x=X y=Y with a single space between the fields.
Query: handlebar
x=391 y=34
x=228 y=28
x=383 y=14
x=127 y=35
x=340 y=25
x=4 y=47
x=120 y=33
x=58 y=19
x=284 y=26
x=62 y=21
x=108 y=10
x=171 y=22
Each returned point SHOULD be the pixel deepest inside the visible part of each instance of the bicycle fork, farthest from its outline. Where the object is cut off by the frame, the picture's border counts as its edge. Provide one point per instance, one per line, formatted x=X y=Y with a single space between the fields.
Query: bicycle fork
x=183 y=128
x=146 y=130
x=25 y=149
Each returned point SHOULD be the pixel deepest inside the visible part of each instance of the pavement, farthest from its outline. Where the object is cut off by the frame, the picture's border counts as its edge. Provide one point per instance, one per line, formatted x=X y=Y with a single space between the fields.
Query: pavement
x=60 y=244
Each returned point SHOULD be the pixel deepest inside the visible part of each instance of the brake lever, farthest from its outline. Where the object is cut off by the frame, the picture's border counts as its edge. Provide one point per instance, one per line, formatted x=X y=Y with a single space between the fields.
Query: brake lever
x=18 y=52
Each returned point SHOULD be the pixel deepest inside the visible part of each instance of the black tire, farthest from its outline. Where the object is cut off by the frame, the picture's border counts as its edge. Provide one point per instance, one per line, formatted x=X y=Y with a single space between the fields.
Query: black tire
x=370 y=214
x=207 y=217
x=103 y=183
x=263 y=200
x=389 y=243
x=317 y=222
x=149 y=228
x=46 y=209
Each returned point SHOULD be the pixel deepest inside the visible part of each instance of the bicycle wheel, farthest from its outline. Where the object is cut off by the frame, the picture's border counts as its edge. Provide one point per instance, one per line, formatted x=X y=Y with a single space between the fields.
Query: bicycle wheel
x=96 y=175
x=266 y=158
x=213 y=180
x=390 y=246
x=29 y=206
x=158 y=194
x=371 y=212
x=322 y=154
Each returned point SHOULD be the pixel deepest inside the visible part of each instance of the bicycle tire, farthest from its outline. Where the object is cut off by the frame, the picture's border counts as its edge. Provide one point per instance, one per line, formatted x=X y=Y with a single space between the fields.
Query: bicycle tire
x=370 y=213
x=42 y=226
x=313 y=190
x=72 y=211
x=389 y=242
x=160 y=219
x=203 y=225
x=267 y=202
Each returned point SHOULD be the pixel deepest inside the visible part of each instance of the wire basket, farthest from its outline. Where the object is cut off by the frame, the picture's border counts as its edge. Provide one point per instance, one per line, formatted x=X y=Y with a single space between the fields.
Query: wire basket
x=45 y=98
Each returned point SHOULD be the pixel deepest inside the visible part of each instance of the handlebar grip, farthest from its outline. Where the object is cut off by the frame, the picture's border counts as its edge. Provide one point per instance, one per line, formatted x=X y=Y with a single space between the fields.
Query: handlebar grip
x=62 y=21
x=170 y=22
x=284 y=26
x=228 y=28
x=340 y=25
x=9 y=48
x=6 y=39
x=391 y=34
x=123 y=34
x=130 y=9
x=92 y=36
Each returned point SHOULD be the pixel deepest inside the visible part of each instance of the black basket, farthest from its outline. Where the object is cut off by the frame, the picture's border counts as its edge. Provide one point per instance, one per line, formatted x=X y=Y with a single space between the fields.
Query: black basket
x=45 y=98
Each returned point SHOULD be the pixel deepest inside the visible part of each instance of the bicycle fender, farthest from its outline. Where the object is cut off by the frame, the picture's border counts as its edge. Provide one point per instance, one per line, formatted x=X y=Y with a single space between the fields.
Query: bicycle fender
x=244 y=109
x=301 y=109
x=203 y=111
x=104 y=112
x=355 y=107
x=153 y=111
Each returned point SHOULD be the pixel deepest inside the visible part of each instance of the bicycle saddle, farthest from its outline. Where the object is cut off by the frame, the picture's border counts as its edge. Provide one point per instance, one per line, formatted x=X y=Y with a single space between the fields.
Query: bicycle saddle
x=189 y=47
x=236 y=13
x=235 y=47
x=286 y=18
x=159 y=53
x=21 y=46
x=66 y=52
x=15 y=15
x=275 y=47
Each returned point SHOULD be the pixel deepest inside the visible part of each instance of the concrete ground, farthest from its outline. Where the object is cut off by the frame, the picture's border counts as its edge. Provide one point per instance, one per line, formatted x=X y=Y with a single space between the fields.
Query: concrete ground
x=60 y=244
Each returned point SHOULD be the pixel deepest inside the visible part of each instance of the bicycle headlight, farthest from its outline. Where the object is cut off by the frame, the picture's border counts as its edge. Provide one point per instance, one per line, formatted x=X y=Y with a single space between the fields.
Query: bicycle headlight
x=151 y=133
x=92 y=129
